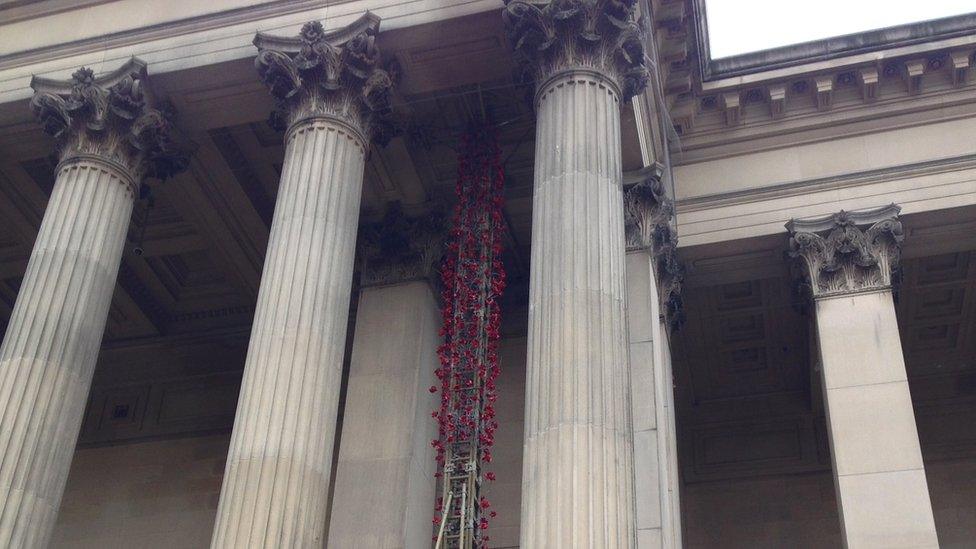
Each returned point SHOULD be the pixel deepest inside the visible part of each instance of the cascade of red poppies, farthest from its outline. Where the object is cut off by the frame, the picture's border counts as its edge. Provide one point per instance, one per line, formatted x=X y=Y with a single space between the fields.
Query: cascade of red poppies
x=473 y=281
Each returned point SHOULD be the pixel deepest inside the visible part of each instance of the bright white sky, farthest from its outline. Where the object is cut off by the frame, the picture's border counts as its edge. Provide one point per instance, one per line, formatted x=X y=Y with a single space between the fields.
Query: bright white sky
x=743 y=26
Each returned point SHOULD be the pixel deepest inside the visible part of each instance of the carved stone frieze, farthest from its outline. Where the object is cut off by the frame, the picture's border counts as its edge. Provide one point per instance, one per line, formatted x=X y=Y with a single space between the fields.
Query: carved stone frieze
x=400 y=248
x=333 y=75
x=847 y=252
x=648 y=222
x=552 y=36
x=112 y=118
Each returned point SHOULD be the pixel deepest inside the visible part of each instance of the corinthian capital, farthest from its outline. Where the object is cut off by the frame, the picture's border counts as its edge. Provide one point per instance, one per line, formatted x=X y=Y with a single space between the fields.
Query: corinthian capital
x=646 y=206
x=111 y=118
x=648 y=224
x=327 y=74
x=401 y=248
x=552 y=36
x=847 y=252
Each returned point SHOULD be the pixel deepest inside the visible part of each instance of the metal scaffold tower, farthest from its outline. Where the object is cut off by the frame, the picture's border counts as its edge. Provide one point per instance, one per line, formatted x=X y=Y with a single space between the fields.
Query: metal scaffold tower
x=473 y=280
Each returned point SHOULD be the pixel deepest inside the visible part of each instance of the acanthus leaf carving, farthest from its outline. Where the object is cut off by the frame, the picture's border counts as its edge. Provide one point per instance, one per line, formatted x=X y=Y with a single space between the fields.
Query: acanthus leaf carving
x=400 y=248
x=669 y=275
x=648 y=225
x=550 y=36
x=646 y=204
x=328 y=74
x=838 y=255
x=113 y=118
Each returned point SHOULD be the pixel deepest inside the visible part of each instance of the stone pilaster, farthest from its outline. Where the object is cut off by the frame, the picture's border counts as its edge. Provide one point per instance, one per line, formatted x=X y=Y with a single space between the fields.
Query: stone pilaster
x=653 y=308
x=384 y=486
x=329 y=92
x=848 y=261
x=577 y=484
x=109 y=137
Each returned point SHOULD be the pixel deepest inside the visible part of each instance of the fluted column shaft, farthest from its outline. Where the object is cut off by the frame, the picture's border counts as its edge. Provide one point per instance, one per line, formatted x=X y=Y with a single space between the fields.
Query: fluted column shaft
x=49 y=352
x=108 y=138
x=577 y=485
x=277 y=477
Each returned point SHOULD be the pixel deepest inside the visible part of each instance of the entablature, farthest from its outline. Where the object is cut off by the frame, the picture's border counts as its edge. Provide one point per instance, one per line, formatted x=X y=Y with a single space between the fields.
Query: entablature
x=720 y=106
x=109 y=32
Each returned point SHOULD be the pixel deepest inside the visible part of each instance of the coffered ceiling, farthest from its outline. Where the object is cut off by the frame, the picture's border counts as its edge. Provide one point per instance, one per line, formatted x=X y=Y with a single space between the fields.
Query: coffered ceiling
x=746 y=365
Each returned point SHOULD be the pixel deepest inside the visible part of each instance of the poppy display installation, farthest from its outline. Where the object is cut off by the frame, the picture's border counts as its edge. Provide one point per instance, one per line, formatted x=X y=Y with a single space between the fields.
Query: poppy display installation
x=473 y=279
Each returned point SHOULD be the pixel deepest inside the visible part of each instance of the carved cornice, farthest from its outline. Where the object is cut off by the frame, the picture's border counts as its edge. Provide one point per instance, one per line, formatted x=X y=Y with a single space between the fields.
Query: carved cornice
x=553 y=36
x=648 y=223
x=400 y=248
x=112 y=118
x=838 y=255
x=331 y=75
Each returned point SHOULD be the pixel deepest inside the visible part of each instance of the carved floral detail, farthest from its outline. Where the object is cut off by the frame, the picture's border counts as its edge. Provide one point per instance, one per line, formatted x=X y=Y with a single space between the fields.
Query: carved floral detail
x=841 y=256
x=328 y=74
x=551 y=36
x=648 y=216
x=401 y=248
x=112 y=118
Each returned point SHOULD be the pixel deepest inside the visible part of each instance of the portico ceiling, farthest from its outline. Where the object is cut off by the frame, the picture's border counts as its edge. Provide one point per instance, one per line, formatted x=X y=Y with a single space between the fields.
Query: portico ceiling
x=203 y=240
x=748 y=389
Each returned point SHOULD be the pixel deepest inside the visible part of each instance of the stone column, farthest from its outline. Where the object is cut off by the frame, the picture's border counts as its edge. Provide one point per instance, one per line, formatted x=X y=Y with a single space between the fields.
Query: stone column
x=653 y=311
x=276 y=482
x=384 y=486
x=577 y=481
x=848 y=260
x=109 y=138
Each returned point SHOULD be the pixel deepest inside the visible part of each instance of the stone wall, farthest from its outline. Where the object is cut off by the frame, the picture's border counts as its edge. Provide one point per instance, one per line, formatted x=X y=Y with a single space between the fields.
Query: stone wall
x=161 y=494
x=786 y=511
x=800 y=511
x=164 y=493
x=952 y=487
x=505 y=493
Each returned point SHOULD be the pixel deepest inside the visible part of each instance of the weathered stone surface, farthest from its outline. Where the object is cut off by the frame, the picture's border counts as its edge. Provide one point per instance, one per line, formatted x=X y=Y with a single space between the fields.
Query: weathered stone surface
x=577 y=480
x=110 y=138
x=655 y=463
x=882 y=494
x=384 y=485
